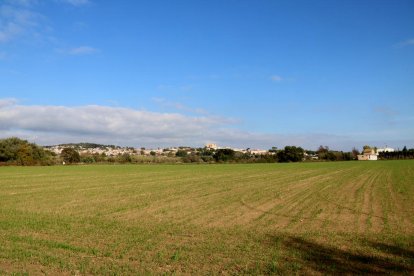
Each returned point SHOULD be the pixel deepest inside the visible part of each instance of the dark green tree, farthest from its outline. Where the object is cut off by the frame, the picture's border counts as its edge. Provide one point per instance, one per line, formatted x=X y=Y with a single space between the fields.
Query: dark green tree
x=70 y=155
x=181 y=153
x=224 y=155
x=290 y=154
x=405 y=151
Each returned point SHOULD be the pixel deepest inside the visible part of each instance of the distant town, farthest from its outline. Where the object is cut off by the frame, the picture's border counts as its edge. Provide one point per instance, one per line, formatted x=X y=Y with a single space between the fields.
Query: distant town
x=112 y=150
x=15 y=151
x=368 y=153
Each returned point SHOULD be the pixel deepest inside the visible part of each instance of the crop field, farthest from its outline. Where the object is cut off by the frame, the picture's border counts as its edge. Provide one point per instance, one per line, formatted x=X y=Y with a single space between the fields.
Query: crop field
x=297 y=218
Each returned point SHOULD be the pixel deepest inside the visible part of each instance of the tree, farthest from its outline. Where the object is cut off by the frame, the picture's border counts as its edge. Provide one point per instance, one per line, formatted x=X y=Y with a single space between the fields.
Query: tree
x=331 y=156
x=20 y=152
x=355 y=153
x=291 y=154
x=404 y=151
x=323 y=152
x=88 y=159
x=273 y=149
x=70 y=155
x=224 y=155
x=181 y=153
x=25 y=155
x=192 y=158
x=124 y=158
x=322 y=149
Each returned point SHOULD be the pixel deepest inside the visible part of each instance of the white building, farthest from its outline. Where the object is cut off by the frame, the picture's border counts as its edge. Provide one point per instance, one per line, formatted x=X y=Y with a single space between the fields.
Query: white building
x=212 y=146
x=368 y=154
x=259 y=152
x=386 y=149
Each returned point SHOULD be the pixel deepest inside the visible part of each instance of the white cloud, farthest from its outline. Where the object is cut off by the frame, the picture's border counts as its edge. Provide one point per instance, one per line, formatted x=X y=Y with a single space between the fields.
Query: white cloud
x=186 y=88
x=13 y=22
x=81 y=50
x=276 y=78
x=386 y=111
x=408 y=42
x=169 y=87
x=77 y=3
x=25 y=3
x=7 y=102
x=165 y=87
x=127 y=126
x=104 y=123
x=178 y=106
x=20 y=20
x=16 y=21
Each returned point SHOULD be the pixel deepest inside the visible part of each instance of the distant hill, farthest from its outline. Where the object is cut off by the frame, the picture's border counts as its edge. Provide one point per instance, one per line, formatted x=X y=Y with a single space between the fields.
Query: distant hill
x=85 y=145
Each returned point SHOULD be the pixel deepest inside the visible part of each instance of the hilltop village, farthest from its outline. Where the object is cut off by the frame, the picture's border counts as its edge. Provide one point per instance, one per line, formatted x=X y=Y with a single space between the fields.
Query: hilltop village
x=208 y=153
x=112 y=150
x=367 y=153
x=15 y=151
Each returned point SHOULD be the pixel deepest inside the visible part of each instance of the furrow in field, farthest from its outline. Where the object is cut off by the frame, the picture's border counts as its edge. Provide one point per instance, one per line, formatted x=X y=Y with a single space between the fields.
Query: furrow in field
x=305 y=188
x=399 y=215
x=316 y=209
x=376 y=212
x=223 y=206
x=292 y=207
x=364 y=218
x=340 y=200
x=328 y=198
x=227 y=208
x=279 y=211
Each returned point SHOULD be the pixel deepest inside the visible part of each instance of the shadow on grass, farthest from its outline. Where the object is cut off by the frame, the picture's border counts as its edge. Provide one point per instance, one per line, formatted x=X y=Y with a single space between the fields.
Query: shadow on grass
x=392 y=249
x=325 y=259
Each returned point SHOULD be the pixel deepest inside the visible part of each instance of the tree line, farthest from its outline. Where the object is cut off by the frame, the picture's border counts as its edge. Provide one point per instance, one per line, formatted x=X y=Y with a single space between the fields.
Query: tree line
x=399 y=154
x=15 y=151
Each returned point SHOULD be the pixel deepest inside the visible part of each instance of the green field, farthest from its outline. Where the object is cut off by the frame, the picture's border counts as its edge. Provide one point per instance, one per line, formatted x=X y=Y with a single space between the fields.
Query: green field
x=305 y=218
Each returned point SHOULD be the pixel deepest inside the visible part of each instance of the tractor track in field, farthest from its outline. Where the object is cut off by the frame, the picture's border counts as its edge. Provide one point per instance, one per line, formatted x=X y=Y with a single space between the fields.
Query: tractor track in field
x=292 y=200
x=369 y=213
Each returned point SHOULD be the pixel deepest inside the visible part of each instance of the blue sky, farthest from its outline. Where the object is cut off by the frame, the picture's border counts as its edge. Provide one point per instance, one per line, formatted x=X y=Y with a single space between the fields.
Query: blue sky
x=238 y=73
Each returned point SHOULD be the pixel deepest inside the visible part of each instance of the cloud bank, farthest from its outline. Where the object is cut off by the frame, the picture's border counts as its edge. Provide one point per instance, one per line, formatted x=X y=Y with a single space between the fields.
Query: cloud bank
x=51 y=124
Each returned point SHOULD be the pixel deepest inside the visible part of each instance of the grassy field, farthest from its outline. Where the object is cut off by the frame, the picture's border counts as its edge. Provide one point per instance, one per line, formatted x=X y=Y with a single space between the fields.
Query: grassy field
x=307 y=218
